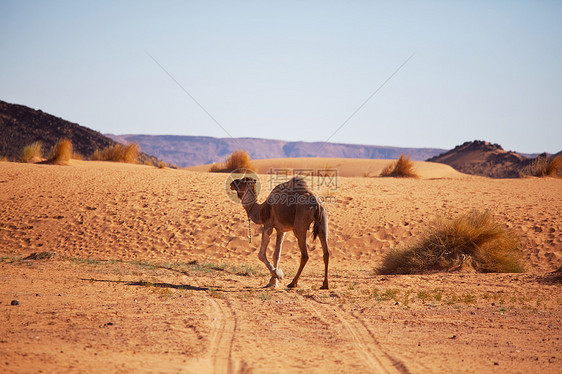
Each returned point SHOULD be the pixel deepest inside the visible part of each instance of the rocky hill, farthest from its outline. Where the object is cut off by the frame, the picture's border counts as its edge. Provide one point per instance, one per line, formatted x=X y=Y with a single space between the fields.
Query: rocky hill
x=198 y=150
x=21 y=126
x=483 y=158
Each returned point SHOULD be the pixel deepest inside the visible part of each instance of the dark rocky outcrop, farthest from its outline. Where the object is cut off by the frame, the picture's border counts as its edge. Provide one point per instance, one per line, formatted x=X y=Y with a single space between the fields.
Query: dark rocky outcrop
x=486 y=159
x=21 y=126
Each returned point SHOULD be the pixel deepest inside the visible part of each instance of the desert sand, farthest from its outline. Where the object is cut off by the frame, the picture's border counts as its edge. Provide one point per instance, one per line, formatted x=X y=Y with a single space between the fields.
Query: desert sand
x=345 y=167
x=151 y=271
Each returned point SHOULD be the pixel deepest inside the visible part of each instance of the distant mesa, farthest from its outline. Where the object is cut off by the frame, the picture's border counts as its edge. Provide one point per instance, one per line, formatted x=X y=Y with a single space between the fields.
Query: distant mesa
x=201 y=150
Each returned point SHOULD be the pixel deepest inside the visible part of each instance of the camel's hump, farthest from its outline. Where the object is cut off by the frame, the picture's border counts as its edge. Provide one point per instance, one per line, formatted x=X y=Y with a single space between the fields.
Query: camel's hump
x=296 y=183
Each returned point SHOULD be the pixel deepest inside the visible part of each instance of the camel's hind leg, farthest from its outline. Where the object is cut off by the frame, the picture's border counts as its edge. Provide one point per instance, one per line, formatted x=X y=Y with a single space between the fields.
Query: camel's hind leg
x=323 y=240
x=301 y=237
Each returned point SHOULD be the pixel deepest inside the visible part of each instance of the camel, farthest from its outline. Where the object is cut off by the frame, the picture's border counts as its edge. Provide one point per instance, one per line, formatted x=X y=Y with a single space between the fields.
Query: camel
x=290 y=206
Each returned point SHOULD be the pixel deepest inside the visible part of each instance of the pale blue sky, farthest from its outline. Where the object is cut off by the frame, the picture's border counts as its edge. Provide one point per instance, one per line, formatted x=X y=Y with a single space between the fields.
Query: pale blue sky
x=489 y=70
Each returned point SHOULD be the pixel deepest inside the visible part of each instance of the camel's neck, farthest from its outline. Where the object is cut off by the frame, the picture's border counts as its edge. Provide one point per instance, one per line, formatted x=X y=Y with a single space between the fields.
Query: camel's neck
x=250 y=204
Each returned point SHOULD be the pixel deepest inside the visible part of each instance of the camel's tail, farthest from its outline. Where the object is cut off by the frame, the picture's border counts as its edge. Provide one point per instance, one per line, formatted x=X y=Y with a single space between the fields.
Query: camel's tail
x=320 y=221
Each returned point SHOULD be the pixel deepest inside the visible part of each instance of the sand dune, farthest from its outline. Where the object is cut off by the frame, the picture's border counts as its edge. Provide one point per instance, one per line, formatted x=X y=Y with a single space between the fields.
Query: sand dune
x=346 y=167
x=108 y=211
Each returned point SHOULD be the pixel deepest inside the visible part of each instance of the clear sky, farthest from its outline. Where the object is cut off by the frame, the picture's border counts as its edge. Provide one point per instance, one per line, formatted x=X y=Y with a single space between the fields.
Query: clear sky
x=293 y=70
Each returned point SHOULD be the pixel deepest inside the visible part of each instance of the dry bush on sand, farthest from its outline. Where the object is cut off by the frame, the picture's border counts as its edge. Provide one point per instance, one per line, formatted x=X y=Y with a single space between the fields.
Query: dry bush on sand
x=132 y=152
x=77 y=156
x=402 y=168
x=544 y=167
x=239 y=159
x=61 y=152
x=118 y=153
x=474 y=240
x=32 y=152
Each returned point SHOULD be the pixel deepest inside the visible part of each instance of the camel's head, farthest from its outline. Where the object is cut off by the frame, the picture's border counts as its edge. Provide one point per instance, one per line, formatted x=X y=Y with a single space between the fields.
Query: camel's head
x=241 y=186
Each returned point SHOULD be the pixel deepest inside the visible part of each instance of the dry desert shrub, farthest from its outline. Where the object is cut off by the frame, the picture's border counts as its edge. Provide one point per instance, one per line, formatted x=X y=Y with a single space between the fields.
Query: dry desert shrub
x=118 y=153
x=131 y=153
x=77 y=156
x=32 y=152
x=474 y=240
x=402 y=168
x=98 y=155
x=385 y=172
x=239 y=159
x=545 y=167
x=61 y=152
x=215 y=168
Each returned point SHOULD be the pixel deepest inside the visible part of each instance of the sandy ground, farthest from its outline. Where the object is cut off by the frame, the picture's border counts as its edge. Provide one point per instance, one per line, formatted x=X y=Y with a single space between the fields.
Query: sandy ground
x=154 y=272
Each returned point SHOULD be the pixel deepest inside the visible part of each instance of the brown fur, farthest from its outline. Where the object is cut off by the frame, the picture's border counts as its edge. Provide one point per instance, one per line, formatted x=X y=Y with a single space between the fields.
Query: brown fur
x=291 y=206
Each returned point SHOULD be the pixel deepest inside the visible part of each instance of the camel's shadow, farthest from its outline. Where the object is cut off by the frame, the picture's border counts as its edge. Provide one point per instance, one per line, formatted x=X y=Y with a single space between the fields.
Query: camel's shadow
x=168 y=285
x=216 y=288
x=150 y=284
x=225 y=289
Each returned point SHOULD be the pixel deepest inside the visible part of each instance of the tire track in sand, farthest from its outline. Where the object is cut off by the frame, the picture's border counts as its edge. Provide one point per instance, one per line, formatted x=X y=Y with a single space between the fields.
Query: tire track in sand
x=223 y=323
x=221 y=336
x=362 y=338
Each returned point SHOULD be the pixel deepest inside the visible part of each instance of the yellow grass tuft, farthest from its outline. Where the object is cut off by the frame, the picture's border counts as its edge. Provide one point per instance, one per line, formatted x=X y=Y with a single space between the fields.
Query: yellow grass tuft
x=215 y=168
x=77 y=156
x=61 y=152
x=402 y=168
x=118 y=153
x=132 y=152
x=473 y=240
x=545 y=167
x=32 y=152
x=239 y=159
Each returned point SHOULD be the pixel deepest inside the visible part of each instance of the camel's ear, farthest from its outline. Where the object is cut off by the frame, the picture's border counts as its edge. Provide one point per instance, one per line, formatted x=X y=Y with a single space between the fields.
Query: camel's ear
x=249 y=180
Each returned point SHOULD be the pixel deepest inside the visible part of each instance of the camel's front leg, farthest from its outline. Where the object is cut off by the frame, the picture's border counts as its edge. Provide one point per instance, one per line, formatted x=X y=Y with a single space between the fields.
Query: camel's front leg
x=262 y=255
